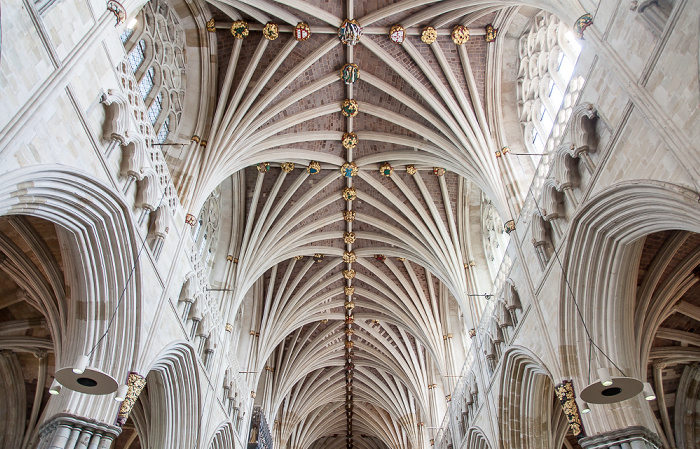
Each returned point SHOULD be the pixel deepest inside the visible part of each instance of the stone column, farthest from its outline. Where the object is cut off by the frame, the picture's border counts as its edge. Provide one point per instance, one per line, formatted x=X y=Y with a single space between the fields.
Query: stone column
x=65 y=431
x=635 y=437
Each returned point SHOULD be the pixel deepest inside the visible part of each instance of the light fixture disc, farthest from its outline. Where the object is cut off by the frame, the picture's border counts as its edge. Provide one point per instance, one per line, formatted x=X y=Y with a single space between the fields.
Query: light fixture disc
x=92 y=381
x=622 y=388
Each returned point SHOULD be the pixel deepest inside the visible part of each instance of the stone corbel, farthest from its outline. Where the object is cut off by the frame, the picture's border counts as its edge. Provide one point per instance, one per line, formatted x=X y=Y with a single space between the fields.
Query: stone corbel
x=584 y=139
x=552 y=202
x=147 y=193
x=511 y=297
x=133 y=160
x=117 y=117
x=188 y=294
x=539 y=238
x=504 y=319
x=565 y=172
x=161 y=228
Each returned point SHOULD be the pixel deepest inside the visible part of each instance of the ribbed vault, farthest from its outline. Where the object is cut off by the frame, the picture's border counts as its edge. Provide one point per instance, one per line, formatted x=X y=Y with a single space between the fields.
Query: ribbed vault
x=354 y=274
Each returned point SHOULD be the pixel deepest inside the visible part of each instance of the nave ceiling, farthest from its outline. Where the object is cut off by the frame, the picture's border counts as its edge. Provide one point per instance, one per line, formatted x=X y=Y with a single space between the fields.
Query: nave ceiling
x=420 y=106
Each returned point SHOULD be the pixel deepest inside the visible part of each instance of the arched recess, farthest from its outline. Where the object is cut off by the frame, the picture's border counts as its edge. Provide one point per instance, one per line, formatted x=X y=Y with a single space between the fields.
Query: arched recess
x=476 y=439
x=98 y=251
x=223 y=438
x=530 y=414
x=667 y=327
x=33 y=293
x=167 y=412
x=606 y=237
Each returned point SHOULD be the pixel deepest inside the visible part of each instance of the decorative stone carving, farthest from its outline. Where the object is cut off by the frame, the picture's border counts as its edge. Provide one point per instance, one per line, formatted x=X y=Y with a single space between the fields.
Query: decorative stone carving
x=350 y=32
x=147 y=192
x=349 y=238
x=349 y=215
x=349 y=194
x=287 y=167
x=134 y=155
x=117 y=115
x=271 y=31
x=538 y=228
x=313 y=168
x=136 y=383
x=428 y=35
x=491 y=33
x=439 y=171
x=349 y=257
x=460 y=34
x=581 y=24
x=239 y=29
x=386 y=169
x=349 y=274
x=211 y=25
x=411 y=170
x=349 y=108
x=397 y=34
x=350 y=73
x=263 y=167
x=584 y=138
x=349 y=170
x=349 y=141
x=302 y=31
x=565 y=394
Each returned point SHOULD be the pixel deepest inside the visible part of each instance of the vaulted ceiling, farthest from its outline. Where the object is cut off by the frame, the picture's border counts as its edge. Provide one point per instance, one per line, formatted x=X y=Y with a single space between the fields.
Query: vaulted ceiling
x=383 y=306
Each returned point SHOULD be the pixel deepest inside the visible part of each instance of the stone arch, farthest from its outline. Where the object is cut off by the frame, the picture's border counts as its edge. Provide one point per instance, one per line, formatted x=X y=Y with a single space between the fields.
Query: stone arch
x=605 y=290
x=527 y=391
x=223 y=438
x=102 y=251
x=170 y=404
x=476 y=439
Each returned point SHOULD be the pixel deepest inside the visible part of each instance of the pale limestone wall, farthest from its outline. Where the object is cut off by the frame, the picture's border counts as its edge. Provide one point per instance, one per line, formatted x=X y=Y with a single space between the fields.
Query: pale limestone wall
x=65 y=127
x=25 y=62
x=630 y=148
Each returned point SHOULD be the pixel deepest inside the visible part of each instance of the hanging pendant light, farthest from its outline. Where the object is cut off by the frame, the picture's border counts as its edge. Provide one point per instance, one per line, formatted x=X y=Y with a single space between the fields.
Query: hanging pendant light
x=649 y=394
x=85 y=379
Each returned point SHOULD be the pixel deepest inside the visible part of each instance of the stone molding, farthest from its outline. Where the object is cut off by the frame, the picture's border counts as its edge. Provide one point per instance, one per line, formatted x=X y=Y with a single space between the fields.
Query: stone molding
x=614 y=439
x=67 y=431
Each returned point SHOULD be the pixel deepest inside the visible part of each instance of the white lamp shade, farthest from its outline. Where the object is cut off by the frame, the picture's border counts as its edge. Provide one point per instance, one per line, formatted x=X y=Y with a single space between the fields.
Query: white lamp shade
x=649 y=394
x=604 y=376
x=121 y=393
x=583 y=406
x=55 y=388
x=81 y=364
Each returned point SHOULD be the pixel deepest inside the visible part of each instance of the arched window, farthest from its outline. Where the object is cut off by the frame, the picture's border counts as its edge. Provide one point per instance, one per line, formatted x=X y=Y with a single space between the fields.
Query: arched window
x=206 y=232
x=155 y=108
x=146 y=83
x=164 y=130
x=136 y=55
x=548 y=54
x=156 y=44
x=495 y=239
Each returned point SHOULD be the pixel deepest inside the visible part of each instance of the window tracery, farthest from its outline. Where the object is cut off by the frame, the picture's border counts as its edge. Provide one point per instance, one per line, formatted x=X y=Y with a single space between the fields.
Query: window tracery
x=548 y=52
x=494 y=238
x=157 y=59
x=205 y=233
